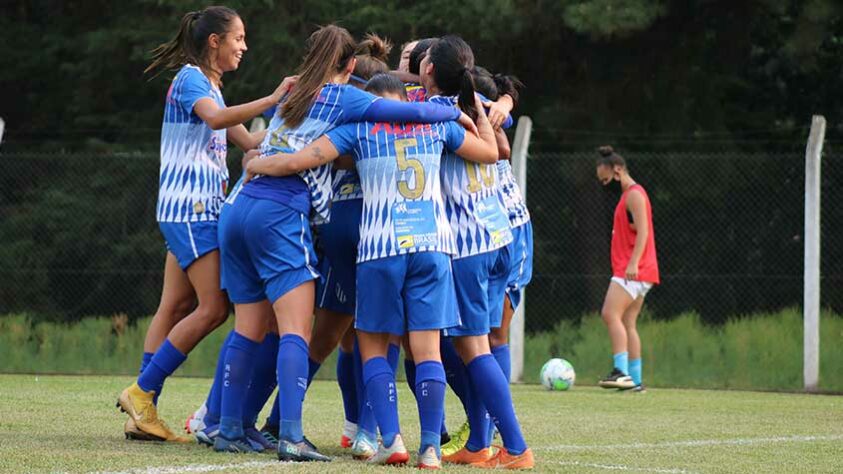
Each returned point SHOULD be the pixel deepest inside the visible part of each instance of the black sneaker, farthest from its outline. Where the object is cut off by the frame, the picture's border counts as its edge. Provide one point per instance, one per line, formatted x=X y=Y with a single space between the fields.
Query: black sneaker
x=617 y=379
x=298 y=452
x=271 y=430
x=444 y=438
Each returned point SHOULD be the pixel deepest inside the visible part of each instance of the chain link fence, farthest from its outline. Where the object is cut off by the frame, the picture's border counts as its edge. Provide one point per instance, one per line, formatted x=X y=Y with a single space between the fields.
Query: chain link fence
x=79 y=236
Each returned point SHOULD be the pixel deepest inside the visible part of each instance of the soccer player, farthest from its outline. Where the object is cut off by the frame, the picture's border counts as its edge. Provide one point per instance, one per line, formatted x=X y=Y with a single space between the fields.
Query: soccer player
x=265 y=241
x=404 y=269
x=634 y=269
x=193 y=178
x=481 y=227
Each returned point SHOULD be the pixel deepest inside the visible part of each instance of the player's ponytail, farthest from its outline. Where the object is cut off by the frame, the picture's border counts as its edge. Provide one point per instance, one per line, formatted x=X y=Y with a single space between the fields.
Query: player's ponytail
x=372 y=54
x=190 y=45
x=452 y=61
x=329 y=49
x=608 y=157
x=508 y=85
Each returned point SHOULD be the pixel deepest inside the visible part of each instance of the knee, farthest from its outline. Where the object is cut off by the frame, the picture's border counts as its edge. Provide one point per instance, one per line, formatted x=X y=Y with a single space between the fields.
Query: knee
x=213 y=313
x=610 y=317
x=629 y=325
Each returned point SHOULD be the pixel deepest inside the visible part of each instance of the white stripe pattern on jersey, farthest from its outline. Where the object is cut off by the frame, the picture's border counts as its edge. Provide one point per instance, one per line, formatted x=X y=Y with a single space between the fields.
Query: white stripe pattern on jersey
x=512 y=197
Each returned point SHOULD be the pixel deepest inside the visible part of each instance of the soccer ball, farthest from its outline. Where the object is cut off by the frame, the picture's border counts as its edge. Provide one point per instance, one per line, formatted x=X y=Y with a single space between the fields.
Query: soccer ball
x=558 y=374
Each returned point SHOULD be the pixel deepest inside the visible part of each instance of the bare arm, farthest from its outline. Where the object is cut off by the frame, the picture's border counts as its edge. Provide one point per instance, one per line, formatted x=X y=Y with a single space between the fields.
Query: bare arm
x=636 y=204
x=243 y=139
x=504 y=150
x=317 y=153
x=482 y=149
x=219 y=118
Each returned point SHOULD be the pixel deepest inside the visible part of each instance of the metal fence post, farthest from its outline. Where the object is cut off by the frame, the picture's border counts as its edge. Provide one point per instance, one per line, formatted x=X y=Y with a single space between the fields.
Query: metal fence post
x=813 y=154
x=519 y=168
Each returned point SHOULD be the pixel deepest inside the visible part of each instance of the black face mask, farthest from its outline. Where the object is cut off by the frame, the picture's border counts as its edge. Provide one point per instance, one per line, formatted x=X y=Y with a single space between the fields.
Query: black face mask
x=613 y=187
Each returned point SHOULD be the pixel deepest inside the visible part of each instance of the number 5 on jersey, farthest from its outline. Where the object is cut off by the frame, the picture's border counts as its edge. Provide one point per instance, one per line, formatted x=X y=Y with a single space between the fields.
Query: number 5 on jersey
x=404 y=164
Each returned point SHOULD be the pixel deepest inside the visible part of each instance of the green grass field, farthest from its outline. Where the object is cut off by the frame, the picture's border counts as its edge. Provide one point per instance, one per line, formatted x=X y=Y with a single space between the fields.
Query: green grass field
x=69 y=424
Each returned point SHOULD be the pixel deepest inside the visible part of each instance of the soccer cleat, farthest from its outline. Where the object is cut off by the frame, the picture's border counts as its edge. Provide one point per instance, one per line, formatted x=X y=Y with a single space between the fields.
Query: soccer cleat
x=270 y=438
x=196 y=421
x=444 y=439
x=457 y=441
x=503 y=460
x=298 y=452
x=394 y=455
x=130 y=429
x=428 y=459
x=257 y=439
x=270 y=430
x=363 y=447
x=207 y=435
x=472 y=458
x=242 y=445
x=349 y=431
x=638 y=389
x=617 y=379
x=140 y=407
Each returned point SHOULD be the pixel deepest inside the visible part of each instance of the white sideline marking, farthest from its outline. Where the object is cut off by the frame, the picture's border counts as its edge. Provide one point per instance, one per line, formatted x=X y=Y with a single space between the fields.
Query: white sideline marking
x=695 y=443
x=621 y=467
x=198 y=468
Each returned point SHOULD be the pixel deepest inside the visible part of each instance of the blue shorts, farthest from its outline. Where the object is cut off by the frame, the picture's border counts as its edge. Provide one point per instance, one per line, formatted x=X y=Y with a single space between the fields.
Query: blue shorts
x=413 y=292
x=521 y=262
x=265 y=250
x=338 y=239
x=189 y=240
x=471 y=280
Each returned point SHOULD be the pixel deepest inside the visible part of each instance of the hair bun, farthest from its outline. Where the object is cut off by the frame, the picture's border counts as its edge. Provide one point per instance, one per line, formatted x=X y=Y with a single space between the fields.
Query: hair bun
x=606 y=150
x=375 y=46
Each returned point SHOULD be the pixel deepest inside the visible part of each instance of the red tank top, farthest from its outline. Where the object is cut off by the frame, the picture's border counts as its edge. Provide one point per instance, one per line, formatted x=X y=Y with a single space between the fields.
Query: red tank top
x=623 y=241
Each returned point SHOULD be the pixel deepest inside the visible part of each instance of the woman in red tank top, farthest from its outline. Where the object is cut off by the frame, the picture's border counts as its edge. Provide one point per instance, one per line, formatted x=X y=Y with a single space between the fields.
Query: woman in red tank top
x=634 y=269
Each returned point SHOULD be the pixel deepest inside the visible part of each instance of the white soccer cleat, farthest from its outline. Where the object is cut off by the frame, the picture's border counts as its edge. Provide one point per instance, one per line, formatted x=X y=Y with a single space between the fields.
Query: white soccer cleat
x=349 y=431
x=428 y=459
x=363 y=448
x=392 y=456
x=196 y=422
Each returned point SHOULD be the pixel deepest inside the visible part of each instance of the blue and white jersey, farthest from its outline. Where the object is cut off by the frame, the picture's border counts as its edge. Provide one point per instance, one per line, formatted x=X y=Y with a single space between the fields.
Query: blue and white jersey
x=335 y=105
x=347 y=185
x=193 y=176
x=399 y=167
x=473 y=202
x=512 y=198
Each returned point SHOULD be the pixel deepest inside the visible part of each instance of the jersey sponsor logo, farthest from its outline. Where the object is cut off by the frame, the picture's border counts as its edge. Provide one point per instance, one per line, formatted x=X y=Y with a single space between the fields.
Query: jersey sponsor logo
x=408 y=129
x=350 y=188
x=217 y=147
x=198 y=207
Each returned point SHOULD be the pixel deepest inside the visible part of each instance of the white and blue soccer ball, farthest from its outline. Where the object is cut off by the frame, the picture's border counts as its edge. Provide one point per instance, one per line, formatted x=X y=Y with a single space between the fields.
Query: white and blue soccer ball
x=558 y=374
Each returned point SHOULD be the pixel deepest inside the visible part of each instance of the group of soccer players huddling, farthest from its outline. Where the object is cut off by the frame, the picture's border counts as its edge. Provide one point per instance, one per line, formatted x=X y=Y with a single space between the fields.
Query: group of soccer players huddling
x=378 y=210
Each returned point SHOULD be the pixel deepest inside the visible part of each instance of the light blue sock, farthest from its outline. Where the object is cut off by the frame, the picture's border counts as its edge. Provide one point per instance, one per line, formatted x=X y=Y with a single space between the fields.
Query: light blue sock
x=635 y=371
x=622 y=362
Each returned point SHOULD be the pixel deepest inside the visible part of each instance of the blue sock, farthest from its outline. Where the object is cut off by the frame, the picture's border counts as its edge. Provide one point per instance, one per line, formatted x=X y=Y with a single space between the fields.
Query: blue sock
x=410 y=374
x=292 y=384
x=236 y=377
x=454 y=370
x=502 y=355
x=635 y=370
x=214 y=402
x=274 y=418
x=312 y=368
x=165 y=361
x=430 y=387
x=366 y=421
x=393 y=354
x=485 y=372
x=263 y=380
x=622 y=362
x=478 y=418
x=147 y=358
x=380 y=388
x=348 y=390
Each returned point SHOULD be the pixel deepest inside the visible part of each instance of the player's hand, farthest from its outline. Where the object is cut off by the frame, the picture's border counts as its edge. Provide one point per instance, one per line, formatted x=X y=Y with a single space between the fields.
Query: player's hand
x=249 y=168
x=631 y=273
x=248 y=156
x=286 y=86
x=468 y=124
x=499 y=111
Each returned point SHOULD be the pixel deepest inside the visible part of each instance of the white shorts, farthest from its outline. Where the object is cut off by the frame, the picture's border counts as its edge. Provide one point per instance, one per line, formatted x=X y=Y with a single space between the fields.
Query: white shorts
x=636 y=289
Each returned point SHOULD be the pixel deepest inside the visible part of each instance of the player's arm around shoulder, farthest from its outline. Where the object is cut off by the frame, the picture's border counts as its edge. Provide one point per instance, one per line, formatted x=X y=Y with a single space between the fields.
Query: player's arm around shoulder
x=320 y=152
x=482 y=148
